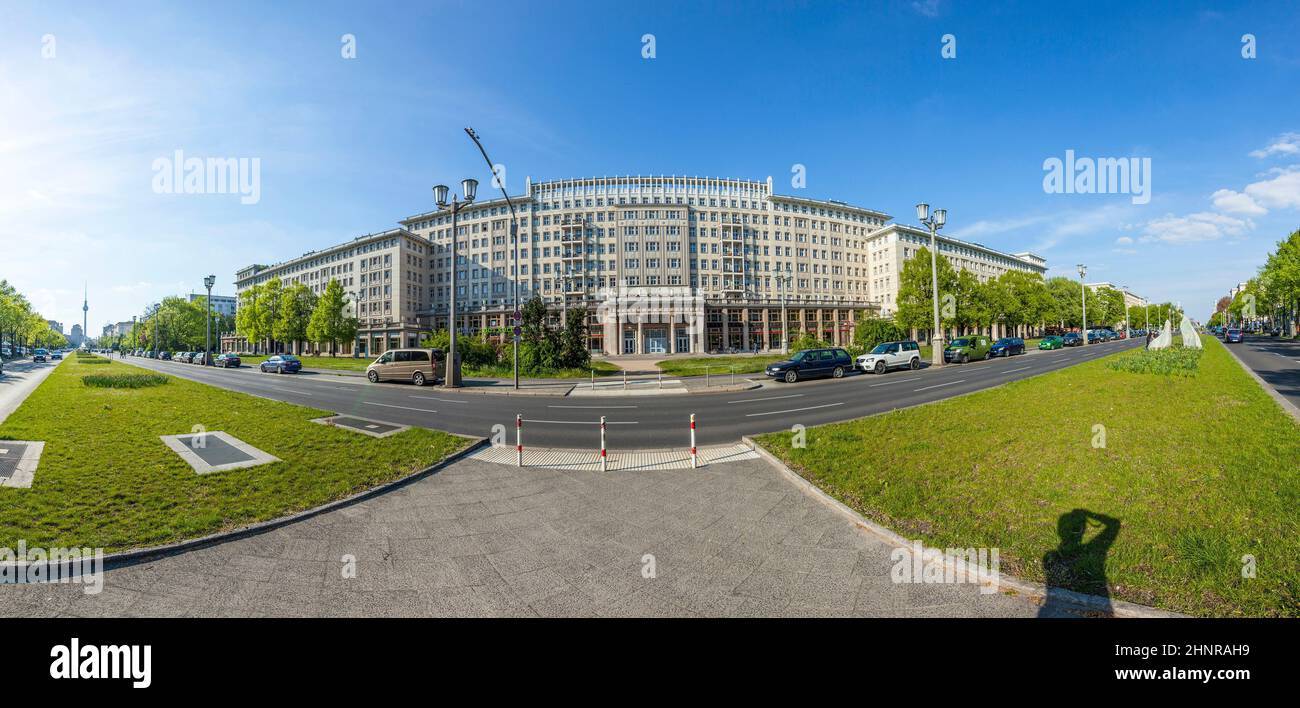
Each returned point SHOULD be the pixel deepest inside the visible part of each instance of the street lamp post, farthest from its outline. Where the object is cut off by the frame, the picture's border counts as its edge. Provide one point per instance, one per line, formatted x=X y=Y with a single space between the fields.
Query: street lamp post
x=1083 y=298
x=934 y=223
x=469 y=187
x=784 y=281
x=517 y=318
x=208 y=282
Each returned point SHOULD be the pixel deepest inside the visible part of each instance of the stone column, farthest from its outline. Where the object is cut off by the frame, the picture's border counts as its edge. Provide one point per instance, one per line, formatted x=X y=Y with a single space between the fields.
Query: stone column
x=744 y=327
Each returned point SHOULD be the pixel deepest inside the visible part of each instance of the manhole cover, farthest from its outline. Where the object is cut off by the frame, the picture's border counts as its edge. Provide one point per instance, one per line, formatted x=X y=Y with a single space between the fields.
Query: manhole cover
x=216 y=451
x=18 y=461
x=373 y=428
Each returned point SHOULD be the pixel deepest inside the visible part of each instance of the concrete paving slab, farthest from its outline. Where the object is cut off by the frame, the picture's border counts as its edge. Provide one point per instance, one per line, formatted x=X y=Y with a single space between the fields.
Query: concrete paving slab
x=216 y=451
x=365 y=426
x=18 y=462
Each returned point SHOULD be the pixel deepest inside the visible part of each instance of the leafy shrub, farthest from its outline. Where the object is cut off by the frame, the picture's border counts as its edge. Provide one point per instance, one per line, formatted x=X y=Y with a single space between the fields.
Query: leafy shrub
x=124 y=380
x=873 y=330
x=95 y=360
x=807 y=341
x=1177 y=361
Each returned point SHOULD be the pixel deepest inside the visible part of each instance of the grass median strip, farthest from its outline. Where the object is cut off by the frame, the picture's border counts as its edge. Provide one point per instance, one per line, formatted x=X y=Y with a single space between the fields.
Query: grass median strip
x=1022 y=466
x=106 y=479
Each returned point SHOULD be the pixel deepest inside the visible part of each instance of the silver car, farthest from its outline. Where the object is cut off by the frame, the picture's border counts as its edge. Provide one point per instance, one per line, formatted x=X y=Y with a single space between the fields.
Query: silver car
x=904 y=354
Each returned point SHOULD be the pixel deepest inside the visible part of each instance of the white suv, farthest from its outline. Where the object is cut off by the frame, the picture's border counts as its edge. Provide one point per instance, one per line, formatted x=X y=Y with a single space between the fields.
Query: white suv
x=891 y=355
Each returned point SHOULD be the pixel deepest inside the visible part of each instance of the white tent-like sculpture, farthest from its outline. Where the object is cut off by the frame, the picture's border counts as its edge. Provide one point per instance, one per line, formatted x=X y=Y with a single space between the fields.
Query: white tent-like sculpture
x=1166 y=337
x=1190 y=337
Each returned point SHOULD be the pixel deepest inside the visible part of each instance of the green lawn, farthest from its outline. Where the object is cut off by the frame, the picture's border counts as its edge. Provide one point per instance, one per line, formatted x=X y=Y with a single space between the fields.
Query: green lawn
x=342 y=363
x=106 y=480
x=741 y=364
x=1198 y=471
x=505 y=371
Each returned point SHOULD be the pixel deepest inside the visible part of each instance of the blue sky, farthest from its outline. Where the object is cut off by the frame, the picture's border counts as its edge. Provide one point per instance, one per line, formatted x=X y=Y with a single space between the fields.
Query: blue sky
x=91 y=94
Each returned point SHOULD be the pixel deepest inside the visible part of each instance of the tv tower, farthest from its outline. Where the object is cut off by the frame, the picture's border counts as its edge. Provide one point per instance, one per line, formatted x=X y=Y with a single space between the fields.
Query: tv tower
x=85 y=308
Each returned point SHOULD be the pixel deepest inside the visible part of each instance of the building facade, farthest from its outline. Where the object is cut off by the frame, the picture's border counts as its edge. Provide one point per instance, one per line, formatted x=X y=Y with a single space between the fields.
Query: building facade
x=221 y=304
x=660 y=265
x=1131 y=299
x=890 y=247
x=55 y=325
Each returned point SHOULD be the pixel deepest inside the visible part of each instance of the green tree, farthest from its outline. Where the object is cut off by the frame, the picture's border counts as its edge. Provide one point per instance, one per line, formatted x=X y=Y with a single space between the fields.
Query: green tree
x=871 y=331
x=915 y=304
x=329 y=321
x=296 y=305
x=248 y=318
x=268 y=310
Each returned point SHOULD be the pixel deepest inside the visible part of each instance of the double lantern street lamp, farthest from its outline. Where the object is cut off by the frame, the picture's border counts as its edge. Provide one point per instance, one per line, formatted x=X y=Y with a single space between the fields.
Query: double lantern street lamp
x=208 y=282
x=1083 y=298
x=469 y=187
x=935 y=223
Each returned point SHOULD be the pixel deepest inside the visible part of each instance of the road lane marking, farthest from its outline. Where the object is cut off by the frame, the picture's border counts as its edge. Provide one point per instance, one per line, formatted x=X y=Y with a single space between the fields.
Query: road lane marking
x=1012 y=371
x=592 y=407
x=406 y=408
x=434 y=398
x=581 y=422
x=288 y=390
x=888 y=383
x=769 y=398
x=927 y=388
x=793 y=410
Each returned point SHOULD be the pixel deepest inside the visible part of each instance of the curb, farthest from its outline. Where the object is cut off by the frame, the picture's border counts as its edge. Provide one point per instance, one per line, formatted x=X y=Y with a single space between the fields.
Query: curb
x=1287 y=406
x=141 y=555
x=1036 y=592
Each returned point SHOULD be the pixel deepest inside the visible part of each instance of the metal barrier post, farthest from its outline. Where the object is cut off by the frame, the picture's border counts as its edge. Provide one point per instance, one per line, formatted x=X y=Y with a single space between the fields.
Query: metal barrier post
x=519 y=440
x=694 y=457
x=602 y=444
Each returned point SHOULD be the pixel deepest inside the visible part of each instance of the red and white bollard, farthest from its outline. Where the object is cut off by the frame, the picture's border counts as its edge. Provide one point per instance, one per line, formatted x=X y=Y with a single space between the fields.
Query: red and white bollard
x=603 y=456
x=694 y=457
x=519 y=440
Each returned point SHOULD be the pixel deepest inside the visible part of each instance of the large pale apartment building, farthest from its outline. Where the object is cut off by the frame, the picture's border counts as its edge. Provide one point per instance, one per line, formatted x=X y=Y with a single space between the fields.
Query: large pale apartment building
x=661 y=265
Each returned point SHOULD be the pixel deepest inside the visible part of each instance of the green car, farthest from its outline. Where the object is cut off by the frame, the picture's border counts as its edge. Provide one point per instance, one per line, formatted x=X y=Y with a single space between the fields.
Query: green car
x=964 y=349
x=1052 y=342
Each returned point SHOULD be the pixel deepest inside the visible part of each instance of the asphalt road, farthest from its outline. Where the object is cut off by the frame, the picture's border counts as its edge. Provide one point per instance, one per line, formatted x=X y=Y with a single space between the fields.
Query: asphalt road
x=1276 y=361
x=638 y=422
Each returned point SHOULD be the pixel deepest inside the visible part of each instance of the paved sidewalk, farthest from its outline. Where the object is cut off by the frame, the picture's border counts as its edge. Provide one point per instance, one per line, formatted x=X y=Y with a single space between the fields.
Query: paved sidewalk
x=482 y=539
x=17 y=382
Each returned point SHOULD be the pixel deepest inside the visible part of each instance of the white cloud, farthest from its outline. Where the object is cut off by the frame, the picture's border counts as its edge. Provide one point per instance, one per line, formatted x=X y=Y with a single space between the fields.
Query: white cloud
x=1124 y=240
x=1285 y=144
x=1194 y=228
x=1236 y=203
x=1280 y=192
x=929 y=8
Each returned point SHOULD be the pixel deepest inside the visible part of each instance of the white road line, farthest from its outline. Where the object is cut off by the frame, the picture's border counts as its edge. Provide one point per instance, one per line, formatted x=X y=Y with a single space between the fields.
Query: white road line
x=434 y=398
x=769 y=398
x=582 y=422
x=889 y=383
x=287 y=390
x=793 y=410
x=405 y=408
x=1012 y=371
x=927 y=388
x=592 y=407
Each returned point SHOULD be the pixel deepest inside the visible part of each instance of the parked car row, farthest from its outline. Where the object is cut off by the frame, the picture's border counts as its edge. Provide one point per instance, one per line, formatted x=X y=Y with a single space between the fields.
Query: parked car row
x=906 y=354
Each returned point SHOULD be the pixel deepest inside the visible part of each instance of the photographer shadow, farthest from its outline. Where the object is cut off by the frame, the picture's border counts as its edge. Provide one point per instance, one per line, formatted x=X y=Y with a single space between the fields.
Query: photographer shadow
x=1079 y=566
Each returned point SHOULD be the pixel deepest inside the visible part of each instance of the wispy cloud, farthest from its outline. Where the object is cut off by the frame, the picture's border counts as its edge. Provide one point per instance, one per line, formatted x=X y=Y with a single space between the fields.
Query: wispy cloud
x=1194 y=228
x=1285 y=144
